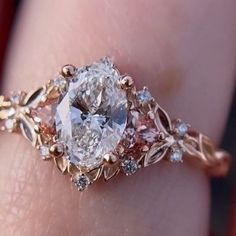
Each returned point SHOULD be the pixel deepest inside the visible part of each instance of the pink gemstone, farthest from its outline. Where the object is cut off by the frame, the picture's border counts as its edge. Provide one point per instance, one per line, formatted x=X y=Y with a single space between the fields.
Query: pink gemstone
x=140 y=131
x=45 y=116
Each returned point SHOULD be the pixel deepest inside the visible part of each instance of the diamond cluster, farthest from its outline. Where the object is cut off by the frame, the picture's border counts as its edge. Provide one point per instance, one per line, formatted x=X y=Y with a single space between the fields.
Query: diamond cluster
x=99 y=114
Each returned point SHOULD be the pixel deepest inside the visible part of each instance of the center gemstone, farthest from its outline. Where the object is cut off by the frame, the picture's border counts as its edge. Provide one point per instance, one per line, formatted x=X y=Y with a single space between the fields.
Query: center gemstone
x=91 y=116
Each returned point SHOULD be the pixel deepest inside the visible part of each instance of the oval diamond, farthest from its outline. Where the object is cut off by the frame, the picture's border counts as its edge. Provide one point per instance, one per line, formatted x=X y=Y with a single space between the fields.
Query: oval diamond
x=91 y=116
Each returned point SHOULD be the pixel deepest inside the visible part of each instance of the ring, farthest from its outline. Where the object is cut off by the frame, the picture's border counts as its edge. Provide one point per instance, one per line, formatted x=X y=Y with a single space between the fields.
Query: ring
x=94 y=124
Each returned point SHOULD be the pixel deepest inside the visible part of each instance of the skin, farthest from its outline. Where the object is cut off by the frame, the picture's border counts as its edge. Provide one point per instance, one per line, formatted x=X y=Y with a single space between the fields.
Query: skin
x=184 y=51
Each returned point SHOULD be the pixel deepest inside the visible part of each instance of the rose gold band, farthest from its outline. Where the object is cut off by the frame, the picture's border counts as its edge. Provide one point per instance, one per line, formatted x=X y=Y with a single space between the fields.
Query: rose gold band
x=148 y=137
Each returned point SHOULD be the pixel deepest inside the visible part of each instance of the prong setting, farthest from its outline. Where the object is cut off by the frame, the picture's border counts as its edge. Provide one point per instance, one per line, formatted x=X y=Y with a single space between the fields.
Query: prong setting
x=144 y=96
x=68 y=70
x=110 y=158
x=57 y=150
x=126 y=82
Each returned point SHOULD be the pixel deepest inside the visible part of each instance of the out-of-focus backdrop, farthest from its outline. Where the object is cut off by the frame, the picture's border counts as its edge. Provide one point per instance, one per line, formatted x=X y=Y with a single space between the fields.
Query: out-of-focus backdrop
x=223 y=190
x=223 y=207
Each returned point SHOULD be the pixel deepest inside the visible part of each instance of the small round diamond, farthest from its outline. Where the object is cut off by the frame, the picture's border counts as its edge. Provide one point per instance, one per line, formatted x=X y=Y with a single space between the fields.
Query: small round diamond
x=129 y=166
x=59 y=81
x=81 y=182
x=9 y=124
x=44 y=151
x=11 y=112
x=181 y=128
x=176 y=155
x=15 y=98
x=144 y=96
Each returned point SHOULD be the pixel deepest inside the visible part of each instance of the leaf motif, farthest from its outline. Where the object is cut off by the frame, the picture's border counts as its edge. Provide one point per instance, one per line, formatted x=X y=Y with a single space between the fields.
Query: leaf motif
x=61 y=163
x=28 y=128
x=207 y=147
x=72 y=169
x=52 y=93
x=94 y=174
x=110 y=171
x=192 y=147
x=192 y=151
x=163 y=120
x=155 y=154
x=33 y=98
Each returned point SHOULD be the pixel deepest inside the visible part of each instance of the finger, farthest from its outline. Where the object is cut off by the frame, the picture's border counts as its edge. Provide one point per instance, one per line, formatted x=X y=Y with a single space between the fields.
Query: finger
x=159 y=44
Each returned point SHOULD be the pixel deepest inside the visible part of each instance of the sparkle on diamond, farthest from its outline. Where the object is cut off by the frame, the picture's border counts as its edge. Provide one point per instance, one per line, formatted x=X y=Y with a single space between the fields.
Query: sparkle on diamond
x=91 y=116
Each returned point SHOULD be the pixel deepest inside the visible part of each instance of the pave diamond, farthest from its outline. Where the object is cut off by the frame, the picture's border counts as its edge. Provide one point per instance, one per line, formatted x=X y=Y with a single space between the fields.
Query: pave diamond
x=15 y=98
x=81 y=182
x=44 y=151
x=144 y=96
x=181 y=128
x=91 y=116
x=59 y=81
x=176 y=155
x=129 y=166
x=9 y=124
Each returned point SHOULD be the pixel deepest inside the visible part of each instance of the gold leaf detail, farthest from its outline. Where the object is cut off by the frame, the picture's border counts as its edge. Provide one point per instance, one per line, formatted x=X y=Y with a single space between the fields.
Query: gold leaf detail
x=28 y=129
x=192 y=150
x=33 y=98
x=52 y=93
x=207 y=146
x=155 y=154
x=192 y=146
x=110 y=171
x=61 y=163
x=162 y=120
x=72 y=169
x=94 y=174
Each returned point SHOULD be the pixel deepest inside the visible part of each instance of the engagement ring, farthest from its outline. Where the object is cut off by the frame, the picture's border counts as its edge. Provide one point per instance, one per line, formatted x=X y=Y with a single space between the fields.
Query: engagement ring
x=94 y=123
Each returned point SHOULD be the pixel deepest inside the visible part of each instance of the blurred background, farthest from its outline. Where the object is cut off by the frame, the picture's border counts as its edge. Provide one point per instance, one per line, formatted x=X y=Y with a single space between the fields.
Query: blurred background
x=223 y=210
x=223 y=206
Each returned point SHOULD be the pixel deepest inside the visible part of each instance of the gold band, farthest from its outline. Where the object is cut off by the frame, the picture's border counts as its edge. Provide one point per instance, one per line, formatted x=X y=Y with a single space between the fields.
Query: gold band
x=149 y=135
